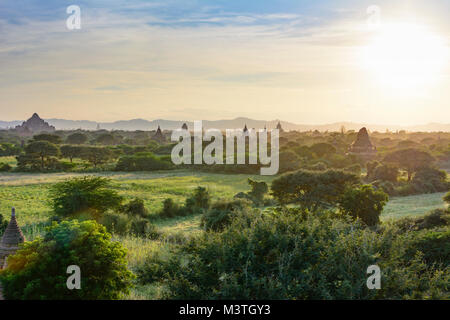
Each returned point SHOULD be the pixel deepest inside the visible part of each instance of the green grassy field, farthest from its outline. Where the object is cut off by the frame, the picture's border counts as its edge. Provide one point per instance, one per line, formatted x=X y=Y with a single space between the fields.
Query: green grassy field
x=29 y=194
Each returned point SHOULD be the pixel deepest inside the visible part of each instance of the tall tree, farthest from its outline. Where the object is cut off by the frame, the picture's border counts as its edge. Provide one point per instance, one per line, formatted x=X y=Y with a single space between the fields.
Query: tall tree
x=42 y=149
x=410 y=160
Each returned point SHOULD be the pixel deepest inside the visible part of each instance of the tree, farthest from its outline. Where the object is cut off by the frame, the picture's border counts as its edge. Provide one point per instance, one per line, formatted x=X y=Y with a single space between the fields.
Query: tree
x=68 y=151
x=410 y=160
x=105 y=139
x=365 y=203
x=43 y=150
x=76 y=138
x=52 y=138
x=386 y=172
x=87 y=194
x=447 y=198
x=312 y=189
x=39 y=269
x=322 y=149
x=96 y=155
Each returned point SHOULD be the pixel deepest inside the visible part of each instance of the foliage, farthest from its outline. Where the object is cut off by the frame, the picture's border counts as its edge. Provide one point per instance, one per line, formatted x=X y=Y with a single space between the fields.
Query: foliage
x=39 y=156
x=436 y=218
x=256 y=194
x=76 y=138
x=311 y=189
x=4 y=167
x=143 y=161
x=199 y=201
x=295 y=255
x=385 y=172
x=410 y=159
x=79 y=195
x=170 y=209
x=52 y=138
x=322 y=149
x=364 y=203
x=135 y=207
x=96 y=155
x=447 y=198
x=69 y=151
x=221 y=214
x=38 y=270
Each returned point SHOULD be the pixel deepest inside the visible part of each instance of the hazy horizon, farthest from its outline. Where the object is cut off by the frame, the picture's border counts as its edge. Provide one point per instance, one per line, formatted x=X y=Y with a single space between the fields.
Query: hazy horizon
x=305 y=62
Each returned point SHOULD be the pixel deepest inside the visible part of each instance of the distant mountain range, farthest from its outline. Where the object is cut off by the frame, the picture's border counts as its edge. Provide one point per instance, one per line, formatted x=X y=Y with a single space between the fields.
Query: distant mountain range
x=141 y=124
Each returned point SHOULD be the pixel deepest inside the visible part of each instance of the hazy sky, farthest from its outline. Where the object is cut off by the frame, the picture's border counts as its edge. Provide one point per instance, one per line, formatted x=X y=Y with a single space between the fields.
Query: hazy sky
x=302 y=61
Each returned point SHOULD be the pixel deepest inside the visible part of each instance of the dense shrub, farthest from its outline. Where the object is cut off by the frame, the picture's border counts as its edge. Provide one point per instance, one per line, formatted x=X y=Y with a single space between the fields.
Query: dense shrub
x=135 y=207
x=296 y=255
x=145 y=161
x=170 y=209
x=364 y=203
x=198 y=202
x=117 y=223
x=385 y=172
x=221 y=214
x=38 y=270
x=430 y=180
x=144 y=228
x=80 y=195
x=436 y=218
x=256 y=194
x=4 y=167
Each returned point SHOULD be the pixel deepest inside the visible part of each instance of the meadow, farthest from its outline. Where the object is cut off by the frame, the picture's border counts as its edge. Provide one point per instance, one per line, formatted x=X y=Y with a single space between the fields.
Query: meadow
x=28 y=193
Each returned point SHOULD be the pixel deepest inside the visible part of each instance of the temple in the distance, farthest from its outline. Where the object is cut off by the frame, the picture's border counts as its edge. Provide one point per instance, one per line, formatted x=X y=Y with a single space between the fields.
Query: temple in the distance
x=33 y=126
x=362 y=146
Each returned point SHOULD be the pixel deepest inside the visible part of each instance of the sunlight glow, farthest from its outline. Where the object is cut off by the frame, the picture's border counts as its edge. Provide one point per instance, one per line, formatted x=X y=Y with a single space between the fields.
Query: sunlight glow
x=406 y=56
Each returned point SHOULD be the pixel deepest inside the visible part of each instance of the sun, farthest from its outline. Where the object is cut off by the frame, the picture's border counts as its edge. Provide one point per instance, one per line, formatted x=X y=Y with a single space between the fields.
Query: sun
x=406 y=56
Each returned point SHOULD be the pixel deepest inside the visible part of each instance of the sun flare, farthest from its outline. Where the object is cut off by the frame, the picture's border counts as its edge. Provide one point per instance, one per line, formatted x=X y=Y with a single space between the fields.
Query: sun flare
x=406 y=56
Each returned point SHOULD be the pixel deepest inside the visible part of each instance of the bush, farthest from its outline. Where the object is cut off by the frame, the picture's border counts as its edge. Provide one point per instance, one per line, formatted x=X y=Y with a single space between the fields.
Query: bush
x=38 y=269
x=430 y=180
x=170 y=209
x=143 y=161
x=135 y=207
x=436 y=218
x=143 y=227
x=296 y=255
x=386 y=172
x=4 y=167
x=83 y=195
x=221 y=214
x=117 y=223
x=364 y=203
x=199 y=201
x=447 y=198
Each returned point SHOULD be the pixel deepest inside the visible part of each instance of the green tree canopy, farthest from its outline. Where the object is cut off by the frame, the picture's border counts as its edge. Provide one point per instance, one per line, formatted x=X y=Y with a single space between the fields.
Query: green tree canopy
x=39 y=269
x=76 y=138
x=42 y=150
x=52 y=138
x=410 y=160
x=80 y=195
x=364 y=203
x=312 y=189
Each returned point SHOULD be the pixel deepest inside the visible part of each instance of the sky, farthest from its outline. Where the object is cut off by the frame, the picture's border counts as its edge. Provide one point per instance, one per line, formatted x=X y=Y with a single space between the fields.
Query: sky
x=303 y=61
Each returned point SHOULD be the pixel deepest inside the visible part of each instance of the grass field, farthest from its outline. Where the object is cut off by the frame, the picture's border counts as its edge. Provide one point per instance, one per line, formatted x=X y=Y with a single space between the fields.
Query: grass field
x=29 y=194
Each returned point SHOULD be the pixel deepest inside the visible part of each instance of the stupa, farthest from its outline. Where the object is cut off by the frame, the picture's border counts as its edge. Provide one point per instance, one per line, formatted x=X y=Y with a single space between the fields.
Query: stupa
x=279 y=127
x=12 y=238
x=363 y=146
x=34 y=125
x=159 y=135
x=184 y=126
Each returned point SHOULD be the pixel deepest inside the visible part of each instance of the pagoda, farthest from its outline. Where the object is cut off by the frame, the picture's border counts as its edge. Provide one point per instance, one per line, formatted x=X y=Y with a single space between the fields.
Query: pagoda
x=279 y=127
x=12 y=238
x=362 y=146
x=184 y=126
x=159 y=135
x=33 y=126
